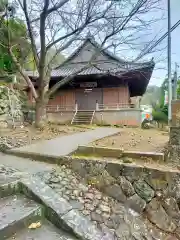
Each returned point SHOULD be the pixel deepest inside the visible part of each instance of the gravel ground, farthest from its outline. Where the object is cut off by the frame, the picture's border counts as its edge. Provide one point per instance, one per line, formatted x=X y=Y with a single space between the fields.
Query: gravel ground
x=28 y=134
x=136 y=139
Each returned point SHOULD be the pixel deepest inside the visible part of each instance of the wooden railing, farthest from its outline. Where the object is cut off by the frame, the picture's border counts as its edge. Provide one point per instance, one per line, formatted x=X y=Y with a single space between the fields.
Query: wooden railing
x=74 y=116
x=92 y=116
x=97 y=107
x=59 y=108
x=114 y=106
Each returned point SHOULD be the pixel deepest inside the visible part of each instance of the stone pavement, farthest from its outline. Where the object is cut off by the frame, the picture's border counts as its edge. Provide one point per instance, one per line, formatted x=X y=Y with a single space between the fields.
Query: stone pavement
x=62 y=146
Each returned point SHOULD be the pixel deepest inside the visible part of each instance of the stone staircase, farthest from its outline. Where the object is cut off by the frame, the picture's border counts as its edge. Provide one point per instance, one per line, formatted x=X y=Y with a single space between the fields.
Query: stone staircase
x=29 y=209
x=18 y=213
x=83 y=117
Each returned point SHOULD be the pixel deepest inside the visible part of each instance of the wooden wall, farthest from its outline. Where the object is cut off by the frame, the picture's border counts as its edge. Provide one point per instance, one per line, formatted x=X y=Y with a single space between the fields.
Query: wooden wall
x=63 y=98
x=118 y=95
x=110 y=96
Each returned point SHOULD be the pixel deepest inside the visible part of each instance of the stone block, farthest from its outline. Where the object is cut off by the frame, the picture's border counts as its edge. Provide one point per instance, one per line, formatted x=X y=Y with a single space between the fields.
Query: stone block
x=174 y=154
x=114 y=169
x=9 y=189
x=143 y=190
x=34 y=187
x=126 y=186
x=123 y=231
x=171 y=207
x=79 y=167
x=158 y=216
x=136 y=203
x=157 y=179
x=99 y=151
x=174 y=138
x=100 y=181
x=115 y=191
x=81 y=226
x=133 y=173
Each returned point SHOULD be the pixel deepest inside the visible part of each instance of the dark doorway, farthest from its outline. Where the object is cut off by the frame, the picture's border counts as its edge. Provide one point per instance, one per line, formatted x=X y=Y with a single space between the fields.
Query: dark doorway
x=87 y=98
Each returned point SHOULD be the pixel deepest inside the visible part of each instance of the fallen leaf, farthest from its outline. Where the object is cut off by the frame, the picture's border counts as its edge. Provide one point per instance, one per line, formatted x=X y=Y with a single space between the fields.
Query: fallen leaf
x=34 y=225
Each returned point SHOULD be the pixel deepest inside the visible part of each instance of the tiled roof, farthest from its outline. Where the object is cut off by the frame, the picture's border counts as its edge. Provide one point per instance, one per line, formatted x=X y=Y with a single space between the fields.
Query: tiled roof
x=112 y=65
x=99 y=69
x=110 y=55
x=66 y=71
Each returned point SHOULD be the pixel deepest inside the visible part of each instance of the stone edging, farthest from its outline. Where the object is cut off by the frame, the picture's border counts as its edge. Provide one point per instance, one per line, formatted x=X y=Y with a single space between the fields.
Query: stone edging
x=8 y=189
x=91 y=151
x=58 y=210
x=117 y=153
x=36 y=156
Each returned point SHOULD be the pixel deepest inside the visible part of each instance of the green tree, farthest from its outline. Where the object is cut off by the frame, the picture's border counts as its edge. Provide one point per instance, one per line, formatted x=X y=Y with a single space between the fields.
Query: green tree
x=14 y=31
x=160 y=110
x=178 y=88
x=163 y=89
x=3 y=4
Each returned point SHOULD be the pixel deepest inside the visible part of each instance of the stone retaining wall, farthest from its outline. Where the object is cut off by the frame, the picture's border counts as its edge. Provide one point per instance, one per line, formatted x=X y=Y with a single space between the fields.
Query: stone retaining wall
x=173 y=149
x=176 y=113
x=154 y=192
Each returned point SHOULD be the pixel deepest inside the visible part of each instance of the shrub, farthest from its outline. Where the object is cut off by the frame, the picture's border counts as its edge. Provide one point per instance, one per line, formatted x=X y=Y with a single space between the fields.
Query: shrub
x=160 y=116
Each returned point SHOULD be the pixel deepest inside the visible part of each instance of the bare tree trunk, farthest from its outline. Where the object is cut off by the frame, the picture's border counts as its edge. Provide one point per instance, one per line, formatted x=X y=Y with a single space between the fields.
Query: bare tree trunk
x=40 y=112
x=42 y=100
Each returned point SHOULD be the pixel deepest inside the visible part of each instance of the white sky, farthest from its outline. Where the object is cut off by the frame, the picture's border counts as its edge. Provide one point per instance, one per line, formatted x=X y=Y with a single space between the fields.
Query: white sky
x=160 y=27
x=161 y=57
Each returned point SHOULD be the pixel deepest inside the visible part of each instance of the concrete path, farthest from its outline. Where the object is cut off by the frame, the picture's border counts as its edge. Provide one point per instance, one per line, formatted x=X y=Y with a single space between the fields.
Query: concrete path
x=63 y=146
x=25 y=165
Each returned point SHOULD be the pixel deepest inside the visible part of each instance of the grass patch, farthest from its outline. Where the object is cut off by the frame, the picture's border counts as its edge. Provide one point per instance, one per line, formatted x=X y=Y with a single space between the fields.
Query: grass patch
x=85 y=156
x=85 y=126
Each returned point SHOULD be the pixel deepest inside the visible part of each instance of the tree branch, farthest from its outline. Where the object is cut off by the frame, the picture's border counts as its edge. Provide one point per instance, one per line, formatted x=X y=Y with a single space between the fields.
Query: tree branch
x=42 y=59
x=113 y=32
x=65 y=46
x=20 y=69
x=69 y=78
x=62 y=38
x=57 y=6
x=66 y=80
x=28 y=22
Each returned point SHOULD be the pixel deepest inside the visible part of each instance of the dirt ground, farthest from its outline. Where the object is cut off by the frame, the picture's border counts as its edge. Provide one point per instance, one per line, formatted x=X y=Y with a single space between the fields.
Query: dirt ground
x=150 y=140
x=28 y=134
